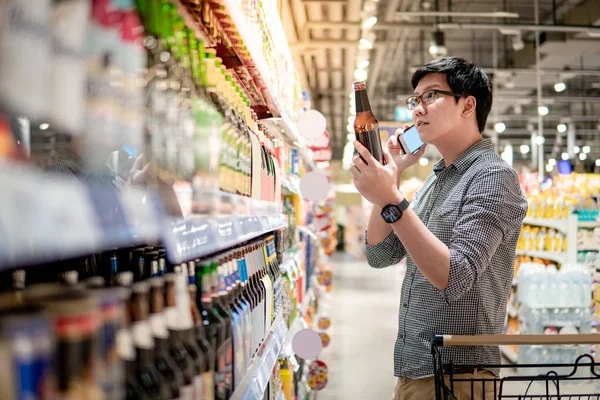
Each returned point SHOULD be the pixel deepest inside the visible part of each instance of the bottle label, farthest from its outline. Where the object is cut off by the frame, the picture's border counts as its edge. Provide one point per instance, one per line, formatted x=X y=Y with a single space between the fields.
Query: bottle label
x=199 y=387
x=238 y=347
x=187 y=393
x=209 y=385
x=125 y=348
x=26 y=47
x=142 y=335
x=171 y=316
x=159 y=327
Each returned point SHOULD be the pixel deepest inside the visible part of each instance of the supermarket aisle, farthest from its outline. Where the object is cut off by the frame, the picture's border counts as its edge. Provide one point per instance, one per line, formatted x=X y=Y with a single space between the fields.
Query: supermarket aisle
x=363 y=309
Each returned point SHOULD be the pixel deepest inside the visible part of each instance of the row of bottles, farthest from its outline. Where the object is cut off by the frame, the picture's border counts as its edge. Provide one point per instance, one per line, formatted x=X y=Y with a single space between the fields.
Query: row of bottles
x=130 y=76
x=201 y=126
x=127 y=324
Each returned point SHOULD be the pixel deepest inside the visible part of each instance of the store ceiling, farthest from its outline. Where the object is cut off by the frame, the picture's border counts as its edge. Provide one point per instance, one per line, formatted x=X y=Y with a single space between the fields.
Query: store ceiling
x=324 y=36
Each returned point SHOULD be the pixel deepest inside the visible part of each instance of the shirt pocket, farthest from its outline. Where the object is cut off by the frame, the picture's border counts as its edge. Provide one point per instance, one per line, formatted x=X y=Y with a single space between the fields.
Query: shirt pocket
x=443 y=220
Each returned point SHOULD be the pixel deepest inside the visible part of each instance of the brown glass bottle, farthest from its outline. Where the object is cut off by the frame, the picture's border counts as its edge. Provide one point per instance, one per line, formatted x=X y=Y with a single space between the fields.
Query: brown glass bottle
x=366 y=126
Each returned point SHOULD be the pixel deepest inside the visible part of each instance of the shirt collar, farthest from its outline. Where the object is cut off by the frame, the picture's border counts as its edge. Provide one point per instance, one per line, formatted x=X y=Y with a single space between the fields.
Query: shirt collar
x=464 y=161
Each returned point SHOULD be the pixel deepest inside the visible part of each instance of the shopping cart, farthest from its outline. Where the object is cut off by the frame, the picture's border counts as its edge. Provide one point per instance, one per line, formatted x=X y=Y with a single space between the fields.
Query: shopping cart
x=579 y=380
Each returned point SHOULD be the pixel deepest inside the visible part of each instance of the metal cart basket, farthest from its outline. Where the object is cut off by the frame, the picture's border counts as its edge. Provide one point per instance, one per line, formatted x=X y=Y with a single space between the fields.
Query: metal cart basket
x=576 y=380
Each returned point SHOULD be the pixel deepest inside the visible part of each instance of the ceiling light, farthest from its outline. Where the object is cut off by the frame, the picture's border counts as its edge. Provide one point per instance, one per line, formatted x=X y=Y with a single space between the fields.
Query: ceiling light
x=549 y=168
x=437 y=46
x=44 y=126
x=586 y=149
x=423 y=161
x=360 y=74
x=525 y=149
x=560 y=86
x=582 y=156
x=597 y=163
x=543 y=110
x=351 y=119
x=350 y=128
x=366 y=43
x=576 y=149
x=369 y=22
x=352 y=110
x=562 y=128
x=551 y=161
x=351 y=137
x=564 y=156
x=540 y=140
x=500 y=127
x=363 y=63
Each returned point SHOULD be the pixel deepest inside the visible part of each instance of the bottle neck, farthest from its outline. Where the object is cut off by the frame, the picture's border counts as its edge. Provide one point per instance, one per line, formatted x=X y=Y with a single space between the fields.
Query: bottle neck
x=144 y=357
x=161 y=346
x=362 y=101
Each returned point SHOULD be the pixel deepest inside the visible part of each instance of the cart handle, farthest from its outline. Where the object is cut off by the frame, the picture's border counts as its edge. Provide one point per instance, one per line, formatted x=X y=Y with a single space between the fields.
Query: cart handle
x=490 y=340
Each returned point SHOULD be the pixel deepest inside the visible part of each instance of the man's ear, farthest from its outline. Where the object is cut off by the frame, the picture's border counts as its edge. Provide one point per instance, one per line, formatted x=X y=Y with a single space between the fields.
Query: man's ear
x=469 y=107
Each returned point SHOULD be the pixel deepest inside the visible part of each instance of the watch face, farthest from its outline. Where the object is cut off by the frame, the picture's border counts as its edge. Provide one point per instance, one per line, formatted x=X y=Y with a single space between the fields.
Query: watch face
x=391 y=213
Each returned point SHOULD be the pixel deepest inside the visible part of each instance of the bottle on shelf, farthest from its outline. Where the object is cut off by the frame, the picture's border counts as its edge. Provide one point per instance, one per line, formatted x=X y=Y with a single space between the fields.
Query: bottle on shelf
x=218 y=294
x=366 y=126
x=163 y=361
x=176 y=347
x=214 y=326
x=152 y=383
x=188 y=332
x=207 y=371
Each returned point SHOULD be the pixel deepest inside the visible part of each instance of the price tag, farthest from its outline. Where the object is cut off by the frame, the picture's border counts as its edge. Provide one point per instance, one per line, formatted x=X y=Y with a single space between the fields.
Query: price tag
x=226 y=230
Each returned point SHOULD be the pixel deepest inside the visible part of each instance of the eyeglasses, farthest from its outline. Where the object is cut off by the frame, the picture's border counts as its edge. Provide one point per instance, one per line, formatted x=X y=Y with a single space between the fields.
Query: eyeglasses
x=427 y=98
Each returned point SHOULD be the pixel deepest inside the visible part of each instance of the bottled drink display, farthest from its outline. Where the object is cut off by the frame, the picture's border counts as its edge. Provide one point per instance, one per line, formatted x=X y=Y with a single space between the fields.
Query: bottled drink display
x=366 y=126
x=191 y=332
x=164 y=95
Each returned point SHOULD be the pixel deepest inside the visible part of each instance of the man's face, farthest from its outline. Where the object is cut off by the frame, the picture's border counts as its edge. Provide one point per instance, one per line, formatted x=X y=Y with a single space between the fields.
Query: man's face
x=436 y=120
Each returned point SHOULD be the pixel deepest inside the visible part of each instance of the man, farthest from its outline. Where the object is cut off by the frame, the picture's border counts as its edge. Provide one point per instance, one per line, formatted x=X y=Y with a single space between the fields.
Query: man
x=459 y=233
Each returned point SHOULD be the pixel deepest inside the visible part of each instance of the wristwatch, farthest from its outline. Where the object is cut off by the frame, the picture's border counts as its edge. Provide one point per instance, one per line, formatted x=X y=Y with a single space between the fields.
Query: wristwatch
x=393 y=212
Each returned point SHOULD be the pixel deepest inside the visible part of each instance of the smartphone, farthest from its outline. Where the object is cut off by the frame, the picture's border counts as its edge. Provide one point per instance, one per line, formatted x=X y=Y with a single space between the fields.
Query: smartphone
x=410 y=141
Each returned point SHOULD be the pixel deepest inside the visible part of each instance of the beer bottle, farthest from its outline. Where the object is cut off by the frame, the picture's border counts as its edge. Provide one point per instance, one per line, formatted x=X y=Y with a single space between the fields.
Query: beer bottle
x=214 y=325
x=148 y=377
x=207 y=372
x=366 y=126
x=163 y=361
x=178 y=352
x=218 y=293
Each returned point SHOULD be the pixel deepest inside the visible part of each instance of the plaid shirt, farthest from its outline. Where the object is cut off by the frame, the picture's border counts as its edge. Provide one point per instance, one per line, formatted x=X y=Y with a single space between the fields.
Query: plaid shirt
x=475 y=206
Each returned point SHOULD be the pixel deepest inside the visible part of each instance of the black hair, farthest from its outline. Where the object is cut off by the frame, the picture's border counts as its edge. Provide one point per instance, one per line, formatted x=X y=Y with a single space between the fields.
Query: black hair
x=464 y=78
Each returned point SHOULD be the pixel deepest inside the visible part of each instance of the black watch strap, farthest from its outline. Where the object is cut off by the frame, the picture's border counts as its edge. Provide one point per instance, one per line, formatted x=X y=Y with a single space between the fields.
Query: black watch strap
x=393 y=212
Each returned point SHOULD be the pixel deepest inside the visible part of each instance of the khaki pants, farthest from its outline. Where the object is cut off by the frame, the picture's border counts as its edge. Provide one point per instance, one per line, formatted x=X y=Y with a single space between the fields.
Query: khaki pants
x=424 y=389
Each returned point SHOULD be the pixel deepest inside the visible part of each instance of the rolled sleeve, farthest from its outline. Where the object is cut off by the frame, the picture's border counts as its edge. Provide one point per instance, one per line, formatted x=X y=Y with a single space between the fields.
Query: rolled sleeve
x=493 y=210
x=385 y=253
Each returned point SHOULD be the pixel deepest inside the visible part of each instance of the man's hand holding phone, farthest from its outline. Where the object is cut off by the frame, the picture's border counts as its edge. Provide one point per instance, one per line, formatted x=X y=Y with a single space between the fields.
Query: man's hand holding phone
x=403 y=161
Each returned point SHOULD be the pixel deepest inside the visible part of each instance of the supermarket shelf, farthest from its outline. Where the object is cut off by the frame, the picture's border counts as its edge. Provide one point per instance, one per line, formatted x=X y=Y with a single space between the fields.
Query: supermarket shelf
x=560 y=258
x=283 y=127
x=561 y=225
x=588 y=248
x=255 y=381
x=199 y=236
x=43 y=222
x=512 y=311
x=510 y=354
x=256 y=59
